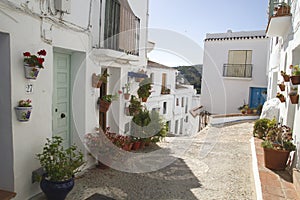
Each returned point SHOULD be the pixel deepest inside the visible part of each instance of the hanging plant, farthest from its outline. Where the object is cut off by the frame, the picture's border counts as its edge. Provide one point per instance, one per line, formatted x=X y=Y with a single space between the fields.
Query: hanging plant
x=23 y=110
x=33 y=63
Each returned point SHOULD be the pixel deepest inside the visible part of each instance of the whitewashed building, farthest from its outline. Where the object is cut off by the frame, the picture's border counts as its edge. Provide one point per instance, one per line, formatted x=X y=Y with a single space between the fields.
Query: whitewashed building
x=283 y=28
x=77 y=38
x=174 y=101
x=234 y=71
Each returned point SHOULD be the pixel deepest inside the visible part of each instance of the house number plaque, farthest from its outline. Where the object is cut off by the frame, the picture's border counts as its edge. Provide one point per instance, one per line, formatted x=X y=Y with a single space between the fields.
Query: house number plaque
x=29 y=88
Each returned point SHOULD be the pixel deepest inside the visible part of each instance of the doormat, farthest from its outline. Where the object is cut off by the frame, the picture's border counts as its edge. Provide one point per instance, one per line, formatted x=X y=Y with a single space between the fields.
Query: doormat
x=97 y=196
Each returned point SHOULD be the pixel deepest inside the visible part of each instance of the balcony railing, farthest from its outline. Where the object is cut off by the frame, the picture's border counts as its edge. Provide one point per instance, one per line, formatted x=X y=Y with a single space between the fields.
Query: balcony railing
x=165 y=90
x=279 y=8
x=237 y=70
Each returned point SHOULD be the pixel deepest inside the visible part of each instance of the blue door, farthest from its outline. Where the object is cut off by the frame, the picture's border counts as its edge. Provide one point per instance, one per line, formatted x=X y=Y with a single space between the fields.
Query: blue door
x=257 y=96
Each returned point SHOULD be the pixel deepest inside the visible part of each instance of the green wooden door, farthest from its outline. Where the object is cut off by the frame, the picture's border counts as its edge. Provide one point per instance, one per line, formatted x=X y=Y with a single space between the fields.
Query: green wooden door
x=61 y=97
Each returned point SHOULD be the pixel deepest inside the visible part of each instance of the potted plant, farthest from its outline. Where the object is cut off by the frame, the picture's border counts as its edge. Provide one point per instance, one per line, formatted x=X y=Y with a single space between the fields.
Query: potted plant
x=105 y=101
x=294 y=96
x=277 y=146
x=281 y=86
x=135 y=106
x=127 y=90
x=23 y=110
x=261 y=127
x=295 y=78
x=285 y=76
x=60 y=165
x=144 y=89
x=33 y=63
x=280 y=97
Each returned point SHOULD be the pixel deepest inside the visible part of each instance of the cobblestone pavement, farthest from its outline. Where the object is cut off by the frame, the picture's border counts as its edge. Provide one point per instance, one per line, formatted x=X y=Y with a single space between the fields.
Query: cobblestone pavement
x=215 y=165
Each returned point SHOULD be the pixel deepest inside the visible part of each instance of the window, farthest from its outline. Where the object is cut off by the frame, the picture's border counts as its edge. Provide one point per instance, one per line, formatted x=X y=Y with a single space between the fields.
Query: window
x=112 y=24
x=177 y=101
x=176 y=127
x=152 y=77
x=121 y=28
x=165 y=108
x=182 y=102
x=186 y=105
x=126 y=128
x=186 y=119
x=239 y=64
x=168 y=126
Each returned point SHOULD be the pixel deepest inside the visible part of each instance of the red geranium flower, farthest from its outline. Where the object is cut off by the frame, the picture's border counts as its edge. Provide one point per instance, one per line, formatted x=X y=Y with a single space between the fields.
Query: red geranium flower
x=27 y=54
x=42 y=52
x=40 y=60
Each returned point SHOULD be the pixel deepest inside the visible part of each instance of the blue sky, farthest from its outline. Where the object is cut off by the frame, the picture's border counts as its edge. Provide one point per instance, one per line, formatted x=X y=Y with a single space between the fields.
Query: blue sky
x=190 y=20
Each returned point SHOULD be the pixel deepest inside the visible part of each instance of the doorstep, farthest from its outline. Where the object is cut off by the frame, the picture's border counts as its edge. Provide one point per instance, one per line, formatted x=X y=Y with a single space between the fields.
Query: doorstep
x=275 y=185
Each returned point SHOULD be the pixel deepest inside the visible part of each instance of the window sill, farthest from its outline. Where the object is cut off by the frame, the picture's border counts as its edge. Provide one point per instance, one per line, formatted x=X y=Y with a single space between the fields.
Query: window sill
x=237 y=78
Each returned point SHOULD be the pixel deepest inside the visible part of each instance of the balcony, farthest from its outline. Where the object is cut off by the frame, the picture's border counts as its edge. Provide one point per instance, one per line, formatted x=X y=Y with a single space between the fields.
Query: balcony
x=279 y=18
x=237 y=70
x=165 y=90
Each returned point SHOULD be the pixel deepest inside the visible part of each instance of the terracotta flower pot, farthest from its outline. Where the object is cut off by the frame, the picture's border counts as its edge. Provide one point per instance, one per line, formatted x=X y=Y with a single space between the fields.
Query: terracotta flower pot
x=282 y=87
x=294 y=99
x=275 y=159
x=282 y=99
x=286 y=78
x=126 y=96
x=295 y=80
x=136 y=145
x=104 y=106
x=144 y=99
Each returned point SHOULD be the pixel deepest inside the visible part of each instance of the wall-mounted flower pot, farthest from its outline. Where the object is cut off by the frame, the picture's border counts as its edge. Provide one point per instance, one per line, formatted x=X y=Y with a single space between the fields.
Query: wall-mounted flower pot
x=294 y=99
x=104 y=106
x=282 y=87
x=295 y=80
x=144 y=99
x=31 y=72
x=282 y=99
x=126 y=96
x=286 y=78
x=96 y=83
x=23 y=113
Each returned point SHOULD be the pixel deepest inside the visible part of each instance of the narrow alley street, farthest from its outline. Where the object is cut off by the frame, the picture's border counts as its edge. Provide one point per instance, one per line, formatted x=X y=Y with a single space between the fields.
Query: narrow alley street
x=215 y=165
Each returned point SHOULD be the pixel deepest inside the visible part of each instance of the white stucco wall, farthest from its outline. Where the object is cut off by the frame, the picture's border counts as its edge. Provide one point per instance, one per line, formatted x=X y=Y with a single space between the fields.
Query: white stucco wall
x=282 y=55
x=28 y=138
x=220 y=94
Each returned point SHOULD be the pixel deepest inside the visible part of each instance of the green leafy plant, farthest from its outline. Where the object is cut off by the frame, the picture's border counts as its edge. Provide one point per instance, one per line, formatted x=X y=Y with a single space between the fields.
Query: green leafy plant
x=127 y=88
x=279 y=137
x=294 y=91
x=262 y=126
x=295 y=70
x=135 y=106
x=109 y=97
x=58 y=163
x=144 y=88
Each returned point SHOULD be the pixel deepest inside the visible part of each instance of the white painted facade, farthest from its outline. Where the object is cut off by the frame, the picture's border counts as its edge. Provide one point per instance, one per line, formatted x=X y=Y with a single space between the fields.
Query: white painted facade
x=285 y=51
x=222 y=94
x=35 y=25
x=174 y=107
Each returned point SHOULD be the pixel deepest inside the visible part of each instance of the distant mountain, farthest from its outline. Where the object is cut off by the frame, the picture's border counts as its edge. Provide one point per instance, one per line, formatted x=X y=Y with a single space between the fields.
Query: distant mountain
x=190 y=75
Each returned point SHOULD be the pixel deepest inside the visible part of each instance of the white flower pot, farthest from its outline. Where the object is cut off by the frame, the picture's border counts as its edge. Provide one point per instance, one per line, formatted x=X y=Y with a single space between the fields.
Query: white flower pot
x=31 y=72
x=23 y=113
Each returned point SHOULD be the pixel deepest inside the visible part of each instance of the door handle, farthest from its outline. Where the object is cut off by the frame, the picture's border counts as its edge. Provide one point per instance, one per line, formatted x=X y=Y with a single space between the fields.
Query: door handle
x=62 y=115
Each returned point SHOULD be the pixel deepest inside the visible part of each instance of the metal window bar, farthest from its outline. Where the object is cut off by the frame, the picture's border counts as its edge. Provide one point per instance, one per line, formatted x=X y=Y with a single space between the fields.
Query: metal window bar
x=237 y=70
